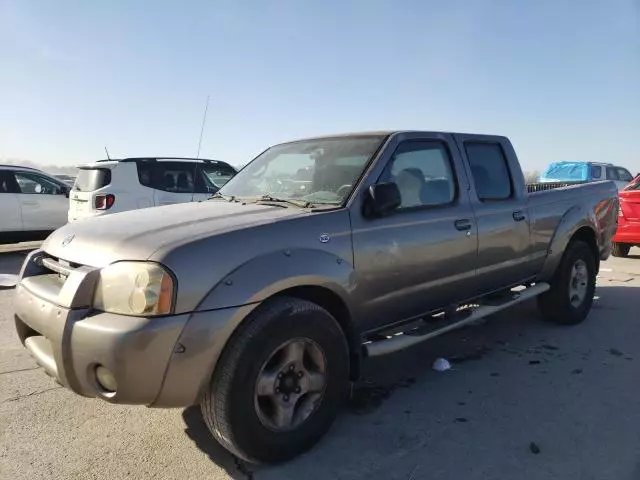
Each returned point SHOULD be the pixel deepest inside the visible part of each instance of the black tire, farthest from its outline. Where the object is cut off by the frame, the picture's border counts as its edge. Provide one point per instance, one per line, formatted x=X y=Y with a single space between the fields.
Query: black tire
x=555 y=304
x=620 y=249
x=228 y=405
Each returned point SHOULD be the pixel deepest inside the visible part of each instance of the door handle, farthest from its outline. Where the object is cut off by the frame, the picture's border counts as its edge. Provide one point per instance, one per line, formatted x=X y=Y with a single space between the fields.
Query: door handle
x=29 y=203
x=463 y=224
x=518 y=216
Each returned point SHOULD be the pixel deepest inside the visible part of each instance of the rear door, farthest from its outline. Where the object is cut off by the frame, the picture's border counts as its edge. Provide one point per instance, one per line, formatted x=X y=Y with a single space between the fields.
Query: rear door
x=500 y=204
x=210 y=177
x=10 y=208
x=43 y=201
x=173 y=182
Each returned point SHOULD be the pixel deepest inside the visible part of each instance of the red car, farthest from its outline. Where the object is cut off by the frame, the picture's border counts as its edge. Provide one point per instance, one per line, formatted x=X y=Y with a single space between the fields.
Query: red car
x=628 y=233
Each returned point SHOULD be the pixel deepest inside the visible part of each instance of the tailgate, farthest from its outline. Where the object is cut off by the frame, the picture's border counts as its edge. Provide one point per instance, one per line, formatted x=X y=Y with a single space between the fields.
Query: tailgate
x=91 y=179
x=80 y=203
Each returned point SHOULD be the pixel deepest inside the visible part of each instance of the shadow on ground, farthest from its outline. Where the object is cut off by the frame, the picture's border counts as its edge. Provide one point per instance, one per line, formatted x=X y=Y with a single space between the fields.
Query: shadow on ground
x=198 y=432
x=10 y=263
x=480 y=419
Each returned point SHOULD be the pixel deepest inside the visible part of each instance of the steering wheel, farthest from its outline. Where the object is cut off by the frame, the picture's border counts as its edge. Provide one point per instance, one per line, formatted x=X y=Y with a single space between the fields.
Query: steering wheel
x=343 y=190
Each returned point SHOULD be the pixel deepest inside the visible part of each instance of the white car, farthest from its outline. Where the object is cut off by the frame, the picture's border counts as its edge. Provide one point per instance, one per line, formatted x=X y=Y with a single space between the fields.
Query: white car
x=32 y=203
x=68 y=179
x=111 y=186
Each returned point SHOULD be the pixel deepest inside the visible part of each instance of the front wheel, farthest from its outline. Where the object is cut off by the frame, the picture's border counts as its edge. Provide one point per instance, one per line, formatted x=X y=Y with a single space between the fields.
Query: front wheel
x=279 y=383
x=570 y=297
x=620 y=249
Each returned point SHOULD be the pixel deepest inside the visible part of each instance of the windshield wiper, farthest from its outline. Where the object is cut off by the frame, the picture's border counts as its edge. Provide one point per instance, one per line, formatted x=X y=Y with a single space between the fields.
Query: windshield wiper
x=228 y=198
x=288 y=201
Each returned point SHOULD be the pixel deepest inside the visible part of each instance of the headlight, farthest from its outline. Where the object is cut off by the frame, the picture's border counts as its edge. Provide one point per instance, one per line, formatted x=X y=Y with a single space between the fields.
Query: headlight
x=134 y=288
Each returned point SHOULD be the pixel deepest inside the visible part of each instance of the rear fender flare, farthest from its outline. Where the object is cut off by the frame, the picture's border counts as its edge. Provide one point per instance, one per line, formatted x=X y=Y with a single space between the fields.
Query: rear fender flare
x=573 y=220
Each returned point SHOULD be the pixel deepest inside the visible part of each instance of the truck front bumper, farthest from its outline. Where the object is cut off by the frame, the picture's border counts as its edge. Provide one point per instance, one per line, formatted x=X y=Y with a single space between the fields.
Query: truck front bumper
x=160 y=361
x=70 y=344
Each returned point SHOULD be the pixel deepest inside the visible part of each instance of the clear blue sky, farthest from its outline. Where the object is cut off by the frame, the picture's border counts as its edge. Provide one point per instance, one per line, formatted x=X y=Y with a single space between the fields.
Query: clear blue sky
x=560 y=78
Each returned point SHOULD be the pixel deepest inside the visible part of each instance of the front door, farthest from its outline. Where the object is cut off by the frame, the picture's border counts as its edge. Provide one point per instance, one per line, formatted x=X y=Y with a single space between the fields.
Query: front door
x=422 y=256
x=44 y=202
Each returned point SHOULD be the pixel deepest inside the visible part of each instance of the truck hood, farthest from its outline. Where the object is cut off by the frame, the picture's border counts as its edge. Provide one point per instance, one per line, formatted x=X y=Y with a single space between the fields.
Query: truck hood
x=137 y=234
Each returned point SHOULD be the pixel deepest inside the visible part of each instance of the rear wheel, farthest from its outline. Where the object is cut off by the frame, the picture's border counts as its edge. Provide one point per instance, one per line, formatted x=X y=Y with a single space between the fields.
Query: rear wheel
x=570 y=297
x=620 y=249
x=279 y=383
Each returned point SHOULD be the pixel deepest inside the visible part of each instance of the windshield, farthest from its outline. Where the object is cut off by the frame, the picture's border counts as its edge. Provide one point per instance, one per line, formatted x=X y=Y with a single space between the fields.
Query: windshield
x=635 y=184
x=320 y=171
x=566 y=172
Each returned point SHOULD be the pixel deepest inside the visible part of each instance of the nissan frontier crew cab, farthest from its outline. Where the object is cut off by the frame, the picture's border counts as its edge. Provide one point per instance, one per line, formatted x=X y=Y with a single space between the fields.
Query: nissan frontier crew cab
x=261 y=303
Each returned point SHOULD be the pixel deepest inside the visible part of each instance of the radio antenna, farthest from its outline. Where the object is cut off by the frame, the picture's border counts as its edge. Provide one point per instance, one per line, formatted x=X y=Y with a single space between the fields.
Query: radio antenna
x=204 y=119
x=105 y=149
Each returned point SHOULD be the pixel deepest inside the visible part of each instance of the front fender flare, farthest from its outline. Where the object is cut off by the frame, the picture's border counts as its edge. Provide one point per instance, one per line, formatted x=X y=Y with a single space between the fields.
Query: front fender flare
x=229 y=303
x=267 y=275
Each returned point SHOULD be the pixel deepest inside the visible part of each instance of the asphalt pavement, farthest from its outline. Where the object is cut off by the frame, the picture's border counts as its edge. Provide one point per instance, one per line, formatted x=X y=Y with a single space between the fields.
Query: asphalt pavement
x=524 y=400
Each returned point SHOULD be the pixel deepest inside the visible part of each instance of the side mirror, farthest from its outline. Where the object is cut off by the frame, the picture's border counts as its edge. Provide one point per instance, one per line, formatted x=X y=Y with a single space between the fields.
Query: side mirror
x=382 y=199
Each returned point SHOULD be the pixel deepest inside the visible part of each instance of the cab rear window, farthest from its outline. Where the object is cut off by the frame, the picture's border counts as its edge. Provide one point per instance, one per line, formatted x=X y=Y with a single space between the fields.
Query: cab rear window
x=90 y=179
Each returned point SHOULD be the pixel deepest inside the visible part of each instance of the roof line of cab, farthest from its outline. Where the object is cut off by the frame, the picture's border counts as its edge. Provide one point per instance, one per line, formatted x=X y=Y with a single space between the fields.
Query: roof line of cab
x=153 y=159
x=20 y=166
x=382 y=133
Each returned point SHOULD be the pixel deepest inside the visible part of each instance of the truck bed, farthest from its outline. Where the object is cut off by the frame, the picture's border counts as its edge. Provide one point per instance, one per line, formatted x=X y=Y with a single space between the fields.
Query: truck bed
x=543 y=186
x=594 y=202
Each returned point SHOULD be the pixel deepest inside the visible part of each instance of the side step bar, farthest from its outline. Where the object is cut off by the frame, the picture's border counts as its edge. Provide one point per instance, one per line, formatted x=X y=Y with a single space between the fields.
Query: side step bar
x=401 y=341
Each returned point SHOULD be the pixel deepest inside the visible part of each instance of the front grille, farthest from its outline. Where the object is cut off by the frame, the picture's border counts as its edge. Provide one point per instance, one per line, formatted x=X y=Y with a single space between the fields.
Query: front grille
x=57 y=266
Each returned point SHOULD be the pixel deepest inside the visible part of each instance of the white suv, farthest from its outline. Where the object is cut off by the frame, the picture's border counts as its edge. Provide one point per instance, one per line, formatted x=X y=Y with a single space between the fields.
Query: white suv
x=32 y=203
x=110 y=186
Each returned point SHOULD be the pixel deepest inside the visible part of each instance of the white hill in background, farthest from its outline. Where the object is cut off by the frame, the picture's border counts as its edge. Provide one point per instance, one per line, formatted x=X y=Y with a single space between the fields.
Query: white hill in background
x=53 y=169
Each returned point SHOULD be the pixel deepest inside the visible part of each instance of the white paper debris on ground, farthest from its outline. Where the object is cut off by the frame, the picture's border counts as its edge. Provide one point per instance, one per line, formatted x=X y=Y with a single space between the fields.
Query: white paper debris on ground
x=441 y=365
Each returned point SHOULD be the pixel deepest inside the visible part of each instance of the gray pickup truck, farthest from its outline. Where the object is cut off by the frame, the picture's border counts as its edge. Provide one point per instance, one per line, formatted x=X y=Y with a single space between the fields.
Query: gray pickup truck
x=261 y=303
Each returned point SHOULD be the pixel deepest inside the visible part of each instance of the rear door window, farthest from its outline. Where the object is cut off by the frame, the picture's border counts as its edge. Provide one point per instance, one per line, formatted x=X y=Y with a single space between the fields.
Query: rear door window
x=489 y=170
x=91 y=179
x=8 y=182
x=596 y=172
x=174 y=177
